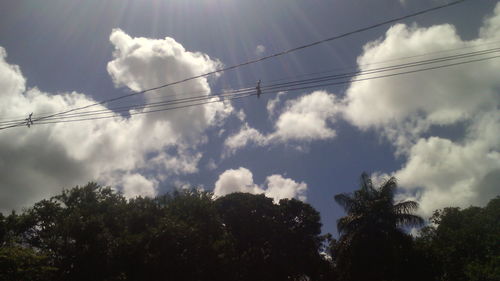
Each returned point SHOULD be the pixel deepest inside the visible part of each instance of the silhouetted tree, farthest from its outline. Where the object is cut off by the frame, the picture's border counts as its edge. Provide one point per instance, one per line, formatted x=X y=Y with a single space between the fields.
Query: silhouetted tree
x=373 y=245
x=189 y=242
x=464 y=244
x=18 y=261
x=78 y=230
x=273 y=242
x=94 y=233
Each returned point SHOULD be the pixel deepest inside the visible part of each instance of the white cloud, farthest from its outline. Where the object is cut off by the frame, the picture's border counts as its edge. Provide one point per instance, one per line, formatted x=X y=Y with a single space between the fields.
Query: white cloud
x=241 y=180
x=302 y=120
x=183 y=185
x=211 y=165
x=306 y=118
x=438 y=171
x=241 y=115
x=137 y=185
x=141 y=63
x=273 y=103
x=245 y=136
x=38 y=162
x=447 y=173
x=12 y=81
x=259 y=50
x=183 y=162
x=279 y=187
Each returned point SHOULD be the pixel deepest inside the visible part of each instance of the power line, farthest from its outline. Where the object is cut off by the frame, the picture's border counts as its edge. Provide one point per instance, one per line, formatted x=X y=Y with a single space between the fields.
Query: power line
x=268 y=87
x=279 y=86
x=253 y=93
x=421 y=12
x=290 y=89
x=394 y=67
x=385 y=61
x=250 y=86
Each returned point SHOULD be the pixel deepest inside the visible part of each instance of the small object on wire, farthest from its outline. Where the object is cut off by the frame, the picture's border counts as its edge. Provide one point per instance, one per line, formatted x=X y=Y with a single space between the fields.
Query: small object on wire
x=29 y=121
x=259 y=92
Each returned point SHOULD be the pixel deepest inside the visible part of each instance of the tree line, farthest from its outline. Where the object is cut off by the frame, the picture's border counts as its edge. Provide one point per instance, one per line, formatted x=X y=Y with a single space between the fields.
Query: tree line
x=94 y=233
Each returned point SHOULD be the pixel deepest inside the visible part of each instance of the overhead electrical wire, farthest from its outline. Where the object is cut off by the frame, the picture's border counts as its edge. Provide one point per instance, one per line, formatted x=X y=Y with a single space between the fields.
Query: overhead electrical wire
x=288 y=86
x=272 y=87
x=284 y=52
x=252 y=85
x=396 y=67
x=289 y=89
x=187 y=98
x=471 y=46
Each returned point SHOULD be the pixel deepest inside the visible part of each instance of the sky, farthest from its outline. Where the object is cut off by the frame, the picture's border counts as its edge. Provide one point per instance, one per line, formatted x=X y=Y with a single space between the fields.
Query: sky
x=436 y=131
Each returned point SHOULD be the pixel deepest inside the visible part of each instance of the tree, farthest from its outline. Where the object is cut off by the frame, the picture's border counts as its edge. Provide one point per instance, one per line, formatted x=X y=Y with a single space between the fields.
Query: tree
x=463 y=243
x=77 y=230
x=24 y=263
x=94 y=233
x=273 y=241
x=17 y=261
x=373 y=245
x=188 y=242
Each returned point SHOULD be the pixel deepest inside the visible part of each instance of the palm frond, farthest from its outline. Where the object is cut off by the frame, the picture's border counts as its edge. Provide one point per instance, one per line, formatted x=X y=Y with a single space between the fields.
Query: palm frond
x=372 y=209
x=406 y=207
x=348 y=224
x=403 y=220
x=388 y=188
x=346 y=201
x=366 y=182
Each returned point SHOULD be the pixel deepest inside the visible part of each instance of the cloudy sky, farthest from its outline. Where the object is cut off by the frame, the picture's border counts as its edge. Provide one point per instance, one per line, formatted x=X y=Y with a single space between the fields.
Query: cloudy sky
x=437 y=131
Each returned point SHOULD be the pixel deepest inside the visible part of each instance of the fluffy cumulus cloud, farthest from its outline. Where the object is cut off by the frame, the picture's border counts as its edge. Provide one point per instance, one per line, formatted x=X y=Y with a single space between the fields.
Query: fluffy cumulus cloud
x=276 y=186
x=137 y=185
x=307 y=118
x=302 y=120
x=409 y=110
x=40 y=161
x=279 y=187
x=143 y=63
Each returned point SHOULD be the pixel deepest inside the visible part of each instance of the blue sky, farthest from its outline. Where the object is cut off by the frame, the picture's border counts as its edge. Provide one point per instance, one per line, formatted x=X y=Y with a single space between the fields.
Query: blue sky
x=436 y=131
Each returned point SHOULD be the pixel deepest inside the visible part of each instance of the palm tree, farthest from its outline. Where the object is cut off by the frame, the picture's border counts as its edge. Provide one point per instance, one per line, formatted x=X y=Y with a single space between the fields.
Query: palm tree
x=373 y=244
x=372 y=209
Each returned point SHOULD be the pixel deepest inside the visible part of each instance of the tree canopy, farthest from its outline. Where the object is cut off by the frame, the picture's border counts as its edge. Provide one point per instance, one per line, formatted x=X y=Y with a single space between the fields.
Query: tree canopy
x=463 y=244
x=373 y=244
x=94 y=233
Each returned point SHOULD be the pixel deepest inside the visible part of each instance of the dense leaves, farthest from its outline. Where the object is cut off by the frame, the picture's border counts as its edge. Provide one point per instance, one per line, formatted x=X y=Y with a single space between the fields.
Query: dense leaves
x=273 y=242
x=464 y=244
x=93 y=233
x=373 y=246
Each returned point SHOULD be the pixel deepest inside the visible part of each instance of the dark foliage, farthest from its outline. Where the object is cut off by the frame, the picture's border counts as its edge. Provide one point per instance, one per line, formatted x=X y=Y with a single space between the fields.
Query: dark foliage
x=93 y=233
x=464 y=244
x=373 y=245
x=273 y=242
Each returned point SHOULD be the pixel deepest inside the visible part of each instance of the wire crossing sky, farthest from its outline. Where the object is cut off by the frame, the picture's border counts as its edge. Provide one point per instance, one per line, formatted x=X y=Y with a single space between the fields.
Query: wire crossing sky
x=253 y=61
x=270 y=89
x=229 y=91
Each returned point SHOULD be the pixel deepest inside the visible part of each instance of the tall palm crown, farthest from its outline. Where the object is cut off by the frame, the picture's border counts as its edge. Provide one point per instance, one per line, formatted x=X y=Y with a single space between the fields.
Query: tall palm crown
x=373 y=245
x=371 y=209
